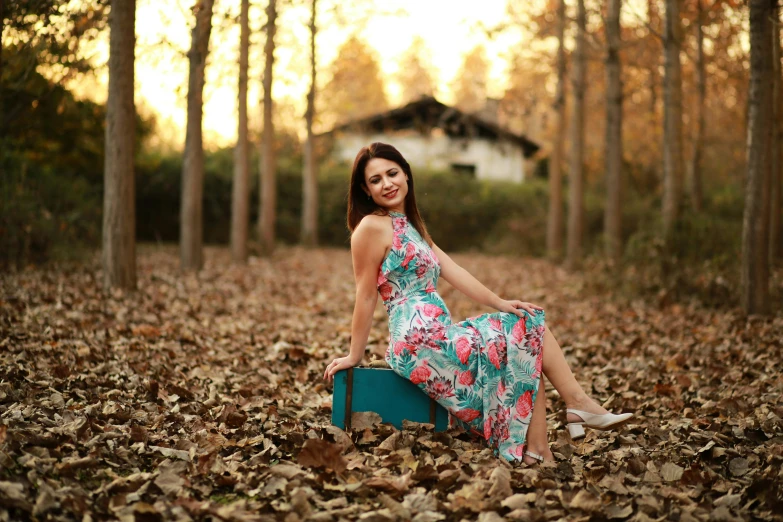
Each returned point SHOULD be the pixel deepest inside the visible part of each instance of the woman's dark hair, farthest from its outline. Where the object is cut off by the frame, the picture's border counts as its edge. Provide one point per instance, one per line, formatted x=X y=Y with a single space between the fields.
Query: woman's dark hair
x=359 y=205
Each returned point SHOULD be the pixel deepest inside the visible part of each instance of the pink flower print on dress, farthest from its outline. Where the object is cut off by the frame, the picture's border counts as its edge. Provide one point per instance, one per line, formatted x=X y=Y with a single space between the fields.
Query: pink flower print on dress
x=492 y=353
x=397 y=241
x=401 y=346
x=410 y=253
x=436 y=331
x=539 y=364
x=467 y=414
x=386 y=291
x=519 y=331
x=525 y=404
x=440 y=388
x=463 y=349
x=420 y=374
x=431 y=310
x=466 y=378
x=535 y=340
x=474 y=367
x=495 y=323
x=500 y=344
x=500 y=429
x=416 y=336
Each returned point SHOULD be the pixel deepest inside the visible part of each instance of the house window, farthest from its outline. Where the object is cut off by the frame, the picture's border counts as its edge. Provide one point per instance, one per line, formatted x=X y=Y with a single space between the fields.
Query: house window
x=464 y=169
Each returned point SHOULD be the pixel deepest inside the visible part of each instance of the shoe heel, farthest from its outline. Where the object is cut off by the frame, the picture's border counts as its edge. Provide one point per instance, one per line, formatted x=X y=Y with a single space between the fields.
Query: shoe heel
x=576 y=431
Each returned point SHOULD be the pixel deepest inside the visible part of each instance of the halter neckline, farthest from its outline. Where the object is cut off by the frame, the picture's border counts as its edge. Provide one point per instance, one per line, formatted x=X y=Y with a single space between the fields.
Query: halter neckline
x=395 y=213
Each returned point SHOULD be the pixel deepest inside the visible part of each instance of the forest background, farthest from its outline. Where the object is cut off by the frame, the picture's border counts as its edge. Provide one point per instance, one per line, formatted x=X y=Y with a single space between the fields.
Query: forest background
x=54 y=79
x=151 y=384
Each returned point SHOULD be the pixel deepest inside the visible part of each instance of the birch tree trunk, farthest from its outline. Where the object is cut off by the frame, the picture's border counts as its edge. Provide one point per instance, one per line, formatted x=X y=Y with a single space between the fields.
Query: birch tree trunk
x=554 y=235
x=240 y=197
x=755 y=225
x=575 y=188
x=775 y=239
x=119 y=196
x=614 y=135
x=268 y=197
x=310 y=175
x=191 y=209
x=694 y=181
x=672 y=118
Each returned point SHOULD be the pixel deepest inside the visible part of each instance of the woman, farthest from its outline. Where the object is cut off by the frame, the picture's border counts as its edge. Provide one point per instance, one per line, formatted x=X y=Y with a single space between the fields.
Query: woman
x=486 y=370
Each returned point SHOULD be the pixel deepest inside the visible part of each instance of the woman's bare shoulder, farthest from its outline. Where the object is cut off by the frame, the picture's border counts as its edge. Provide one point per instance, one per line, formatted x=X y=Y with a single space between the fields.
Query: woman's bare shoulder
x=373 y=229
x=374 y=223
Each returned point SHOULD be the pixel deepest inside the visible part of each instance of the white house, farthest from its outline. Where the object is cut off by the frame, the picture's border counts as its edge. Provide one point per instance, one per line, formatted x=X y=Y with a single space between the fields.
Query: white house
x=434 y=136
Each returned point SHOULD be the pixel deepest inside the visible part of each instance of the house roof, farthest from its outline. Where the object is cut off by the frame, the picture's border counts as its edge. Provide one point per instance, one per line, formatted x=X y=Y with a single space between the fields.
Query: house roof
x=426 y=113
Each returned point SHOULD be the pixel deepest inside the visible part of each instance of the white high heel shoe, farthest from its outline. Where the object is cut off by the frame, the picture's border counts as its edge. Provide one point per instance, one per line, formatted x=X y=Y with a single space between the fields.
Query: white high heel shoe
x=606 y=421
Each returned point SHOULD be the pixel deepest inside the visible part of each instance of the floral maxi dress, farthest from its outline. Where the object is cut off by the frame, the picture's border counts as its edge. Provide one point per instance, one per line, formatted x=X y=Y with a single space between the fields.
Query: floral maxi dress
x=484 y=370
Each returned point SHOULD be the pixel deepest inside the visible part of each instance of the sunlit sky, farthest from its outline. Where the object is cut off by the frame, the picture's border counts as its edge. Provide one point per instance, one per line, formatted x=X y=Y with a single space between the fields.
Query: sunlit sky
x=449 y=30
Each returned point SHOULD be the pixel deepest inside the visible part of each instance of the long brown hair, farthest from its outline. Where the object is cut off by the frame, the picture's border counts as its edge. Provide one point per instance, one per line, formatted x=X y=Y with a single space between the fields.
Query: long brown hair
x=359 y=205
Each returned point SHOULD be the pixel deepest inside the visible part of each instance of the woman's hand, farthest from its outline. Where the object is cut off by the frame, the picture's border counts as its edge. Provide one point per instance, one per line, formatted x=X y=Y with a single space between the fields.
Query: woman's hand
x=341 y=363
x=513 y=306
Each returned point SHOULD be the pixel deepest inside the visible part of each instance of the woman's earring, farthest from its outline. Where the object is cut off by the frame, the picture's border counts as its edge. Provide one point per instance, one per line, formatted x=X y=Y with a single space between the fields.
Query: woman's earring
x=368 y=196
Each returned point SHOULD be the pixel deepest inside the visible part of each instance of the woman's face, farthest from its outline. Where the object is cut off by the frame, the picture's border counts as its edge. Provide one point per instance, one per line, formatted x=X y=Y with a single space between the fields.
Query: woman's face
x=386 y=183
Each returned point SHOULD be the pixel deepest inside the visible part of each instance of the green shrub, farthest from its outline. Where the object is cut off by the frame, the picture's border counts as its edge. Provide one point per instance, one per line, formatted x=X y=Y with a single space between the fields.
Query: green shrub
x=44 y=213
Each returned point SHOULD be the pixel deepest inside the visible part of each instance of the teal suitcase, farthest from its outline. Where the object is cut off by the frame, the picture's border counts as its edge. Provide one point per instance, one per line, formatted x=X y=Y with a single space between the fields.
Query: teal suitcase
x=389 y=395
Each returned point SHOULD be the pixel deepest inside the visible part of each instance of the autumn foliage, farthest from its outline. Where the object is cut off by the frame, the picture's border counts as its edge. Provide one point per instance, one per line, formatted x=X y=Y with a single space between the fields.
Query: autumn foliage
x=201 y=396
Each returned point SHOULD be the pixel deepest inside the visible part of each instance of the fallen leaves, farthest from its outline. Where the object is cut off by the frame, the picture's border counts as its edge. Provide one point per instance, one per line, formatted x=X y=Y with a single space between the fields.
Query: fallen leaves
x=199 y=397
x=318 y=453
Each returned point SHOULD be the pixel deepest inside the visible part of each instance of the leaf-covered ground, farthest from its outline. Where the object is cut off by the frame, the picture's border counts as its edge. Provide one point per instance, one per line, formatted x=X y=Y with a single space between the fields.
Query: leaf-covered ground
x=201 y=398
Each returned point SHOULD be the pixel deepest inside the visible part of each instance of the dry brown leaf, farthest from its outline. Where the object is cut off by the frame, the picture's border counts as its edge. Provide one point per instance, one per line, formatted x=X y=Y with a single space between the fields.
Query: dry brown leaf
x=362 y=420
x=317 y=453
x=585 y=501
x=671 y=472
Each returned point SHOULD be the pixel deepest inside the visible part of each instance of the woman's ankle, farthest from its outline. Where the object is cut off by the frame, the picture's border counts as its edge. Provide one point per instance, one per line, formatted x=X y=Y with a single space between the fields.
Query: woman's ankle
x=540 y=448
x=584 y=403
x=543 y=451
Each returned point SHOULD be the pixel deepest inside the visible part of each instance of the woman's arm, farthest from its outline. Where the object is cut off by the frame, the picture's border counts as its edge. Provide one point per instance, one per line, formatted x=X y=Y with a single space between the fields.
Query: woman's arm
x=463 y=281
x=369 y=243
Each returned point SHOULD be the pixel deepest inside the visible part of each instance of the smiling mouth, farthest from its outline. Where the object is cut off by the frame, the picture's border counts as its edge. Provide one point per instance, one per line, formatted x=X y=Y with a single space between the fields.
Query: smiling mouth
x=391 y=194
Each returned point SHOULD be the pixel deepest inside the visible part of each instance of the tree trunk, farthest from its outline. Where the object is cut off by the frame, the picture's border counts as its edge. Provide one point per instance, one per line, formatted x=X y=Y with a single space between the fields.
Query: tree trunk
x=240 y=197
x=266 y=222
x=575 y=189
x=755 y=225
x=672 y=118
x=119 y=195
x=191 y=209
x=775 y=238
x=614 y=135
x=2 y=104
x=554 y=235
x=694 y=180
x=310 y=175
x=652 y=20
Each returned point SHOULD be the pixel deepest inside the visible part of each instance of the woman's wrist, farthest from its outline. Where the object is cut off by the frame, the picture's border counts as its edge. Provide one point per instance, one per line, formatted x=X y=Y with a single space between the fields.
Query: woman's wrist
x=497 y=302
x=355 y=358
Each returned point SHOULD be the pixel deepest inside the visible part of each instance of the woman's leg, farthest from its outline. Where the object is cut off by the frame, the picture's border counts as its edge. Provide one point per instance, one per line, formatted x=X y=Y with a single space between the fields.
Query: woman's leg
x=559 y=374
x=537 y=441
